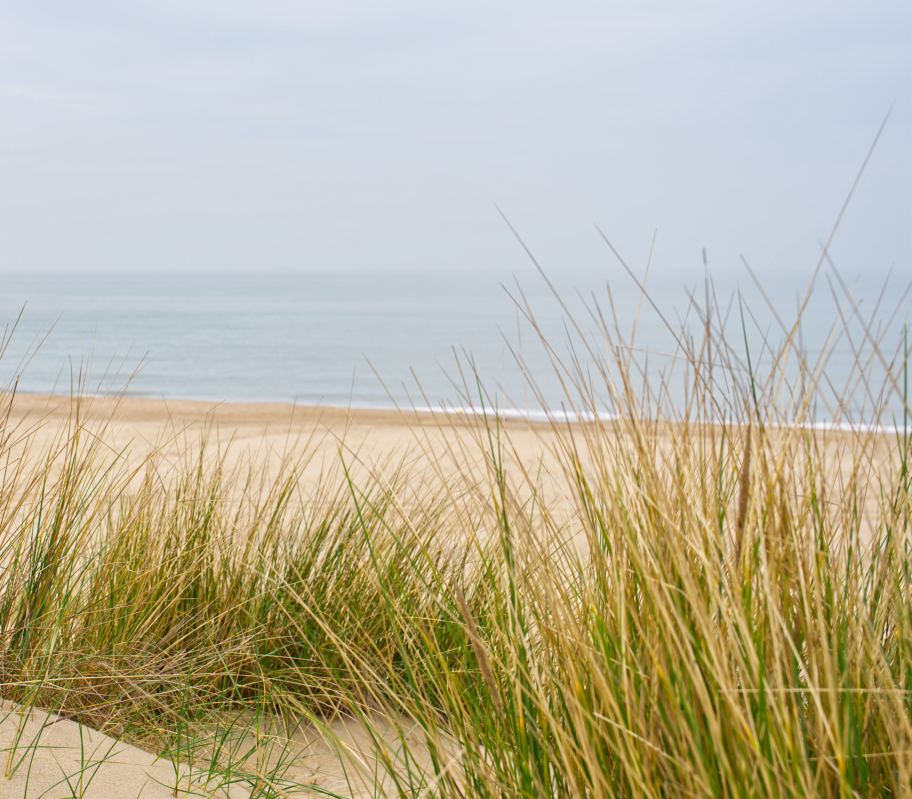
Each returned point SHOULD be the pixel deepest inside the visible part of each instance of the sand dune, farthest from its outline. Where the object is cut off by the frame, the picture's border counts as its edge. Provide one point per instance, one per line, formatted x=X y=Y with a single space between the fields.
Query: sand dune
x=49 y=756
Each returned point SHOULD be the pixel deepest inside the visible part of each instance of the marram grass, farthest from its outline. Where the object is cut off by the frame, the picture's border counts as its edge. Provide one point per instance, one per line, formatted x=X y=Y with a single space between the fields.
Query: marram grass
x=721 y=608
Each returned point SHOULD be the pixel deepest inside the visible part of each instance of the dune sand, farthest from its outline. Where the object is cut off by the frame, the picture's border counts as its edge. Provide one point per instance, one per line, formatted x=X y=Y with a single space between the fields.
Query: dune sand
x=49 y=756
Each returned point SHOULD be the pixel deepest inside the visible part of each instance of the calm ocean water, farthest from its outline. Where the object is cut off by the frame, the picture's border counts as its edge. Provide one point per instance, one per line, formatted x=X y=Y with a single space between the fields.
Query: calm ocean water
x=372 y=340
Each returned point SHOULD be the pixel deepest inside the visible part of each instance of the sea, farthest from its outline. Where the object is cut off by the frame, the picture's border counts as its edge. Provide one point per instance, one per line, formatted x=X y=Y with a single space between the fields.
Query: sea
x=474 y=341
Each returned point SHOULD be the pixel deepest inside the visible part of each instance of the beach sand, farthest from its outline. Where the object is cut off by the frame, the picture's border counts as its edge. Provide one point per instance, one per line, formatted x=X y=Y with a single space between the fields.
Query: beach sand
x=373 y=444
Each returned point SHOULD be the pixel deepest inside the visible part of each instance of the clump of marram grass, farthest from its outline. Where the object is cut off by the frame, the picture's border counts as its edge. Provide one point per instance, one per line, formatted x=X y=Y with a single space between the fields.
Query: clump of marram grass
x=723 y=610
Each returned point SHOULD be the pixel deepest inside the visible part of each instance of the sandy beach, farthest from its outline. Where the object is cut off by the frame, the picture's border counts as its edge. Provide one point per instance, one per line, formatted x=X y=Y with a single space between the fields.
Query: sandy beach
x=322 y=444
x=316 y=440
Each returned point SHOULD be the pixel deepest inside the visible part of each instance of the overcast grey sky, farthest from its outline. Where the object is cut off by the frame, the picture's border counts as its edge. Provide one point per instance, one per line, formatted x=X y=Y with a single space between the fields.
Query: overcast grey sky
x=227 y=135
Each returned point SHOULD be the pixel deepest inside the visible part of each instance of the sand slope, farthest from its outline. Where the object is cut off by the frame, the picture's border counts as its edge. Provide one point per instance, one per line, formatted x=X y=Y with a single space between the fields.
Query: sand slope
x=47 y=756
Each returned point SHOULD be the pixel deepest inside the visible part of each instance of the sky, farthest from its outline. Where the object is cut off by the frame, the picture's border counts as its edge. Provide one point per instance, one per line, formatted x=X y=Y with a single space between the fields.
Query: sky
x=225 y=136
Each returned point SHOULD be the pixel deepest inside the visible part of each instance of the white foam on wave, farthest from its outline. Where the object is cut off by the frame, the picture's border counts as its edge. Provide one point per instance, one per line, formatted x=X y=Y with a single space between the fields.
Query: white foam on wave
x=527 y=415
x=564 y=416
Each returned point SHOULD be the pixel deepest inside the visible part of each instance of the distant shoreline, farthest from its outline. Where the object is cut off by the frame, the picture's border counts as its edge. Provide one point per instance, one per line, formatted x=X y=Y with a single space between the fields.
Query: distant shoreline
x=160 y=410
